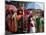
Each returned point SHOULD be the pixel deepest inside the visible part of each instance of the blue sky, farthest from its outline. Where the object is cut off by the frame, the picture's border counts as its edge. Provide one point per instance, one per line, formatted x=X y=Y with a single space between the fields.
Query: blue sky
x=39 y=5
x=34 y=5
x=29 y=5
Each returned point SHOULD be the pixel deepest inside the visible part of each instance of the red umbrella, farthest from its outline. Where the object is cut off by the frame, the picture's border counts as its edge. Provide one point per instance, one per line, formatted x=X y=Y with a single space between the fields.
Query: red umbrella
x=11 y=8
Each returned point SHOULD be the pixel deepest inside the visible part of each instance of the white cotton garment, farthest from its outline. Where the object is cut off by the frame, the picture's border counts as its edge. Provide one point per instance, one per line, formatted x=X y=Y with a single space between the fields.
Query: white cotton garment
x=32 y=29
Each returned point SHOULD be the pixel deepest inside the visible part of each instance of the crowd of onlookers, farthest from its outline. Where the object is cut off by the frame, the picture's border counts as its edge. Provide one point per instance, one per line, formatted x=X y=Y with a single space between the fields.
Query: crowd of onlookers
x=23 y=21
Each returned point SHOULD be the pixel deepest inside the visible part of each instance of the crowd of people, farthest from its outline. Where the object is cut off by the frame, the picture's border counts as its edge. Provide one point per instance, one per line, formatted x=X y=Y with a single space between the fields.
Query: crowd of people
x=21 y=21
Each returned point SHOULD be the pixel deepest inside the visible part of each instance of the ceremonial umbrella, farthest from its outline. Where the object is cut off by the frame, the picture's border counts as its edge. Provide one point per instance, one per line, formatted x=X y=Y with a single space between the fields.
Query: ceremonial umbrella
x=11 y=8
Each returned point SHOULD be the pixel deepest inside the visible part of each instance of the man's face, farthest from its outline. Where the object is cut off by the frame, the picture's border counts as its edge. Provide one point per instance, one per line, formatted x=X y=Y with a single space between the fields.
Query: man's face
x=21 y=13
